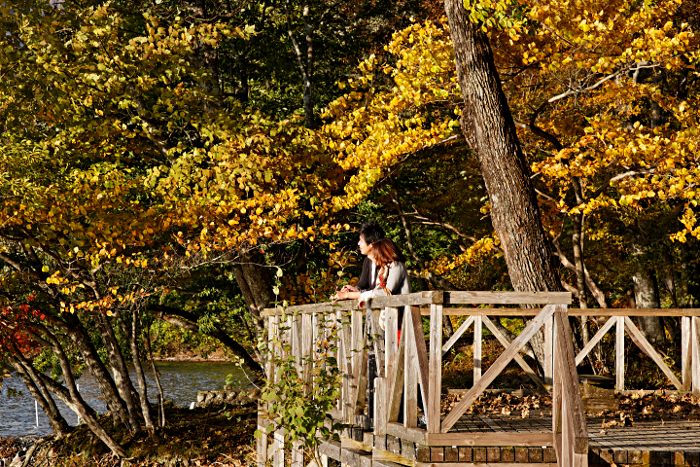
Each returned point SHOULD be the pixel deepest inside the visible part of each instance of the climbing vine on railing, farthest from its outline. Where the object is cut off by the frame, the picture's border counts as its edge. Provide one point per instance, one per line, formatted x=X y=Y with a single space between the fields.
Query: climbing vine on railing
x=301 y=391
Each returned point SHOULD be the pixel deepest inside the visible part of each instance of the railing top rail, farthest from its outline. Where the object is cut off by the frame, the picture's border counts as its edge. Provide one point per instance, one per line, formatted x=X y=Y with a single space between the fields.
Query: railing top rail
x=412 y=299
x=435 y=297
x=597 y=312
x=345 y=305
x=507 y=298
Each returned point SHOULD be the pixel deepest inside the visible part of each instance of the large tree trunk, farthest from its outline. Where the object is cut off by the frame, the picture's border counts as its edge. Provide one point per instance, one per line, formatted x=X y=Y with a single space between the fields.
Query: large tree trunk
x=488 y=126
x=646 y=295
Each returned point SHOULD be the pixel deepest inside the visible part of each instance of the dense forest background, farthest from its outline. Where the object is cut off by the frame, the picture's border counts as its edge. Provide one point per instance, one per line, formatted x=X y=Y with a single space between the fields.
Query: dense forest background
x=170 y=168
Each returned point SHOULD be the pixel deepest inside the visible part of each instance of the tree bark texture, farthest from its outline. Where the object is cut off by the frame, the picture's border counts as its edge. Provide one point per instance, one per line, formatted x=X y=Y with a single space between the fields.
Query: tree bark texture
x=305 y=61
x=75 y=330
x=646 y=295
x=255 y=282
x=140 y=376
x=120 y=372
x=488 y=126
x=42 y=396
x=83 y=409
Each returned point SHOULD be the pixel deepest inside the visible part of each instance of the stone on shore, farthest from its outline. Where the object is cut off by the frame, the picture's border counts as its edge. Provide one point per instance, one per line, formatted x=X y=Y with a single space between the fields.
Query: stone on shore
x=227 y=397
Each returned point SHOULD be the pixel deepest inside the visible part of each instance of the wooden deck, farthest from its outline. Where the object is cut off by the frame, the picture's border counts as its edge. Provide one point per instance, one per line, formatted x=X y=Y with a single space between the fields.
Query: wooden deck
x=647 y=443
x=409 y=369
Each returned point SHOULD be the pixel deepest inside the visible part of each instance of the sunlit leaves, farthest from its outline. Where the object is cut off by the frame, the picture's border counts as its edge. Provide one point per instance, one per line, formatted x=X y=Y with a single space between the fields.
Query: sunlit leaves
x=394 y=110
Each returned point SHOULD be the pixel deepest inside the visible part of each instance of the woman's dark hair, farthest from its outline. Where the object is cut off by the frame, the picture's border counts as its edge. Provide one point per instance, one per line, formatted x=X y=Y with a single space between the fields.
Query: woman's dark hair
x=371 y=232
x=384 y=252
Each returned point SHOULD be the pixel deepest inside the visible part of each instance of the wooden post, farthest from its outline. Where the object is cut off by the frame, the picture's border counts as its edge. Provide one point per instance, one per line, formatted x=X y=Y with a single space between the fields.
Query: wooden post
x=396 y=379
x=262 y=448
x=477 y=348
x=297 y=454
x=356 y=345
x=264 y=442
x=272 y=330
x=287 y=336
x=346 y=357
x=296 y=336
x=391 y=331
x=686 y=353
x=556 y=405
x=556 y=393
x=278 y=457
x=342 y=356
x=358 y=387
x=567 y=442
x=418 y=341
x=555 y=336
x=356 y=335
x=380 y=406
x=695 y=362
x=315 y=334
x=548 y=347
x=304 y=328
x=410 y=390
x=373 y=333
x=572 y=444
x=620 y=354
x=307 y=340
x=435 y=365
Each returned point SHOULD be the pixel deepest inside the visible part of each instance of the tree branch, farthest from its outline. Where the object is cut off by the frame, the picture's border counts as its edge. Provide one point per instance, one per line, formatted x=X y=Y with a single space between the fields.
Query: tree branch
x=598 y=294
x=186 y=320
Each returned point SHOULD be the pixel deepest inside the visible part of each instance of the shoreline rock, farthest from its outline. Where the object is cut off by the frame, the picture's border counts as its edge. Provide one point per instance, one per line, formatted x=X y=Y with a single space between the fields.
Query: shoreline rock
x=227 y=397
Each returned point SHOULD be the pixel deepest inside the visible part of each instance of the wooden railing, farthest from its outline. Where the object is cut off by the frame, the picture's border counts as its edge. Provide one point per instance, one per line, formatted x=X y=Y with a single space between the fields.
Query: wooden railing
x=617 y=320
x=407 y=369
x=620 y=319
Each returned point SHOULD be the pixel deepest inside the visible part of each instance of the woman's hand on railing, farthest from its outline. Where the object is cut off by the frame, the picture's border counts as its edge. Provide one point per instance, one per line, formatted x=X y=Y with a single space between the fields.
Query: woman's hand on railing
x=344 y=295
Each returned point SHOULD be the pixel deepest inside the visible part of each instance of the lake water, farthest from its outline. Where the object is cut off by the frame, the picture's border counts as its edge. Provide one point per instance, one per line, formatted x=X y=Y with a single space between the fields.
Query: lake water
x=180 y=381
